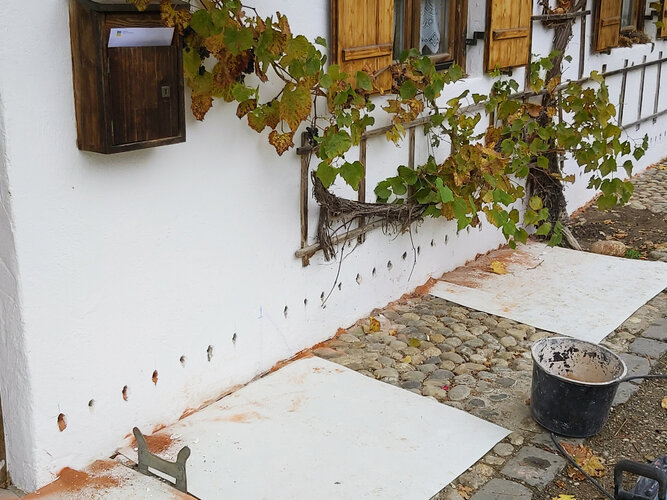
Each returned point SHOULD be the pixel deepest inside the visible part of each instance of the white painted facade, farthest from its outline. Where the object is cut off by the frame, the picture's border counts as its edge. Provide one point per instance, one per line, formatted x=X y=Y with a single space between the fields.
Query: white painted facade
x=115 y=266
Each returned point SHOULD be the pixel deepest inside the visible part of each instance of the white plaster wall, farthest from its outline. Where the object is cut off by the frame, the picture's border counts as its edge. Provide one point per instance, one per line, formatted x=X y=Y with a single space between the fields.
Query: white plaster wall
x=129 y=262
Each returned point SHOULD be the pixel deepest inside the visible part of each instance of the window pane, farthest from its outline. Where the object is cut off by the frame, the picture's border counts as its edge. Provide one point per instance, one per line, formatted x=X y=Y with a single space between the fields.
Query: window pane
x=434 y=27
x=628 y=13
x=399 y=27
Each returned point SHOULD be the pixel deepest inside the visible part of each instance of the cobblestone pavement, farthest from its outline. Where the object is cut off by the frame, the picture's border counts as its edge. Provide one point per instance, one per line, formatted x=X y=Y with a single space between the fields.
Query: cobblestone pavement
x=651 y=194
x=481 y=364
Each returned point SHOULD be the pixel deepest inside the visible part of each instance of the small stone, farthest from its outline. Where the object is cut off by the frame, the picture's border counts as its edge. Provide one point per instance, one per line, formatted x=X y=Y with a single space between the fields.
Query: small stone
x=503 y=449
x=609 y=247
x=431 y=351
x=346 y=337
x=505 y=382
x=447 y=365
x=386 y=373
x=474 y=343
x=453 y=341
x=386 y=361
x=437 y=338
x=327 y=353
x=452 y=356
x=508 y=341
x=435 y=360
x=433 y=390
x=397 y=345
x=468 y=368
x=411 y=384
x=459 y=392
x=413 y=376
x=477 y=475
x=411 y=316
x=493 y=460
x=517 y=333
x=441 y=375
x=516 y=439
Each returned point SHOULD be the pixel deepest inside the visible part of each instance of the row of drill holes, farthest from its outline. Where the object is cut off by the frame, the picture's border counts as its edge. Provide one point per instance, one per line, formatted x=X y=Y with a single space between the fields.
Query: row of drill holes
x=62 y=419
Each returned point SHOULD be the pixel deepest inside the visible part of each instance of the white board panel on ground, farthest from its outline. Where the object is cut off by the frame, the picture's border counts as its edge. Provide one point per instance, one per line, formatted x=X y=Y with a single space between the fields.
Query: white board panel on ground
x=317 y=430
x=579 y=294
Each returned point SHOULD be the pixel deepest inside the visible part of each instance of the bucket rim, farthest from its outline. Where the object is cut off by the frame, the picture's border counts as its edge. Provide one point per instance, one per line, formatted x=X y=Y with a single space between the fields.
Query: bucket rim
x=613 y=381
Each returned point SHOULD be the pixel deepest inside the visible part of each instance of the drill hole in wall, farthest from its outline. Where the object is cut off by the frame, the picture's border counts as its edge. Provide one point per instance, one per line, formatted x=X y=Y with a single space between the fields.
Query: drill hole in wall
x=154 y=377
x=305 y=302
x=209 y=353
x=322 y=296
x=419 y=249
x=446 y=239
x=285 y=311
x=125 y=393
x=432 y=243
x=182 y=360
x=62 y=423
x=358 y=279
x=404 y=256
x=340 y=285
x=373 y=272
x=91 y=404
x=389 y=265
x=234 y=339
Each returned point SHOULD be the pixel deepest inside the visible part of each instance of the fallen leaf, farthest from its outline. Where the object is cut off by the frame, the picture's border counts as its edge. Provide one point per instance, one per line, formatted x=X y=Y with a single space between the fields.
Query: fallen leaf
x=664 y=403
x=465 y=491
x=413 y=342
x=393 y=332
x=620 y=235
x=407 y=359
x=374 y=325
x=498 y=267
x=607 y=221
x=585 y=459
x=564 y=497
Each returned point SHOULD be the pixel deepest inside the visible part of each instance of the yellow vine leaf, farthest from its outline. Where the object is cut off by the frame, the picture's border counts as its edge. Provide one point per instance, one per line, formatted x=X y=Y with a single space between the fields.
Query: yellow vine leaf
x=374 y=325
x=564 y=497
x=295 y=104
x=407 y=359
x=282 y=142
x=498 y=267
x=175 y=18
x=664 y=403
x=201 y=103
x=246 y=107
x=465 y=491
x=140 y=4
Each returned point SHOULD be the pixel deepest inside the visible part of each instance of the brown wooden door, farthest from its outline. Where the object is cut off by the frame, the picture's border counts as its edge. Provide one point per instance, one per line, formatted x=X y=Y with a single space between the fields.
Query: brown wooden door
x=144 y=93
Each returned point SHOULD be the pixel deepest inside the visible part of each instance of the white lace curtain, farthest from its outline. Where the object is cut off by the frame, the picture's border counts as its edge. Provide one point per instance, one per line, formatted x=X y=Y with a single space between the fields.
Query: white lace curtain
x=431 y=17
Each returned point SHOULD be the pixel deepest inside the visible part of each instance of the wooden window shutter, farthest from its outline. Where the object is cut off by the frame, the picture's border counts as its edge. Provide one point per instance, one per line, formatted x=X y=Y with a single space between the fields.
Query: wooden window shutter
x=607 y=24
x=363 y=36
x=508 y=33
x=663 y=30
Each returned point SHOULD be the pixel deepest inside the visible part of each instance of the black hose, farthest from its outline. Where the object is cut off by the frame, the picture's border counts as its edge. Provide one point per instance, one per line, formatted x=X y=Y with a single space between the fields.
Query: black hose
x=659 y=375
x=576 y=465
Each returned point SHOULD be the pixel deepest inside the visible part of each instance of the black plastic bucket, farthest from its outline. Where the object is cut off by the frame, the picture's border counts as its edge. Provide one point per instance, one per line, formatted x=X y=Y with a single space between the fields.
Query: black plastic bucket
x=574 y=384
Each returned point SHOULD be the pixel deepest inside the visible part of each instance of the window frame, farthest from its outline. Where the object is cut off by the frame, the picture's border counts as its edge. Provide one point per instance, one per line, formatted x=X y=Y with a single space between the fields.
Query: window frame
x=457 y=22
x=638 y=24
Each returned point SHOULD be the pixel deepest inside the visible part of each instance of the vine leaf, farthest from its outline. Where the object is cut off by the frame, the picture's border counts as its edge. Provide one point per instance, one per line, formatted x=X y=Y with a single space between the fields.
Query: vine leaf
x=374 y=325
x=295 y=105
x=246 y=107
x=178 y=18
x=201 y=103
x=264 y=116
x=352 y=173
x=282 y=142
x=326 y=173
x=140 y=4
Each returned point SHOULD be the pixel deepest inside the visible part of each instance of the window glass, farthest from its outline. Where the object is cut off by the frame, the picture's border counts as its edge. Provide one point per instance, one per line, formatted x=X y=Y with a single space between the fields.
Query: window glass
x=434 y=28
x=628 y=13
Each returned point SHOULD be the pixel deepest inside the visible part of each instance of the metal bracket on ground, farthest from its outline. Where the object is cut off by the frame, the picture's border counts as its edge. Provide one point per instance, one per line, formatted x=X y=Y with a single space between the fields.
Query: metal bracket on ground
x=174 y=469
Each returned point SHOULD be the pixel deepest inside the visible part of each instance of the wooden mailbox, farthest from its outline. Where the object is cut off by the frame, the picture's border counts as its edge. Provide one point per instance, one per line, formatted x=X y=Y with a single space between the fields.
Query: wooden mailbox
x=128 y=95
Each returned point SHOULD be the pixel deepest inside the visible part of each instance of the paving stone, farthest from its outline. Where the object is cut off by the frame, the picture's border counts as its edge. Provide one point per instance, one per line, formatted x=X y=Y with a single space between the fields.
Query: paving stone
x=508 y=341
x=505 y=382
x=533 y=466
x=637 y=365
x=427 y=368
x=327 y=353
x=502 y=489
x=459 y=392
x=623 y=393
x=469 y=367
x=441 y=375
x=657 y=331
x=477 y=475
x=451 y=356
x=387 y=373
x=649 y=347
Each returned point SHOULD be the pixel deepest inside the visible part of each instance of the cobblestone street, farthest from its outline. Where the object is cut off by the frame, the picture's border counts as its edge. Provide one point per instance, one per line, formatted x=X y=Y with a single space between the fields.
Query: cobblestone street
x=482 y=364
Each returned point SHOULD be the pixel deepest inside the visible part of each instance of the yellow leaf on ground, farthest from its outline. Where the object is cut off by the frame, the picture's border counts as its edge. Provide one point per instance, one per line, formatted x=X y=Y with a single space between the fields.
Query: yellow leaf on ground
x=465 y=491
x=407 y=359
x=564 y=497
x=664 y=403
x=585 y=459
x=374 y=325
x=498 y=267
